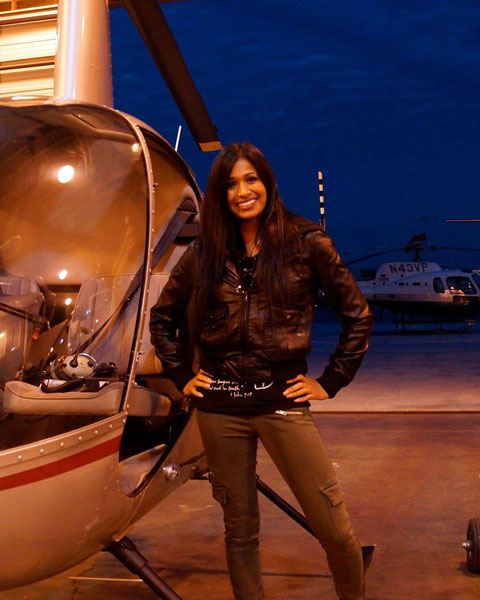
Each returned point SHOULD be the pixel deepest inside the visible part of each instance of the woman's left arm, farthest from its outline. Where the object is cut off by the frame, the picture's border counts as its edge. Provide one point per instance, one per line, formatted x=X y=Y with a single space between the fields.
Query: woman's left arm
x=347 y=302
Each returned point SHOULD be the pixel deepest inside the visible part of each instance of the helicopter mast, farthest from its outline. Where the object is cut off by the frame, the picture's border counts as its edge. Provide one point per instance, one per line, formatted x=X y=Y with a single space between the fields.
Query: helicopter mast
x=83 y=69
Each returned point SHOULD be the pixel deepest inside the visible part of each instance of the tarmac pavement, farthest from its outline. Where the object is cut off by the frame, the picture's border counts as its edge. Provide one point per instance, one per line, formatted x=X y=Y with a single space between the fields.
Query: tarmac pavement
x=415 y=372
x=405 y=440
x=411 y=483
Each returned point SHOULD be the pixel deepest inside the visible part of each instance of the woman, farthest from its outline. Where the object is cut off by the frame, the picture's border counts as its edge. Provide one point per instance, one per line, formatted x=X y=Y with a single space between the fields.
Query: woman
x=250 y=284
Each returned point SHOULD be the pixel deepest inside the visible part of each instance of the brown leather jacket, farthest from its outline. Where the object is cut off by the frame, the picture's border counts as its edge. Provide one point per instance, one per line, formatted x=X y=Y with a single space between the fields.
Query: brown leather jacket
x=244 y=339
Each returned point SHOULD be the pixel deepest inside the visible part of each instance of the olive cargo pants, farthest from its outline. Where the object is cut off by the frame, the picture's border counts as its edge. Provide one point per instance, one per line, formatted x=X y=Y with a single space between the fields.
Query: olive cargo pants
x=294 y=444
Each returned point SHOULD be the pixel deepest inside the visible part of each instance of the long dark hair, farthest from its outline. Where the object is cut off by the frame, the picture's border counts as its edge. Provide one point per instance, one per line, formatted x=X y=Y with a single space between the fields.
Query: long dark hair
x=220 y=234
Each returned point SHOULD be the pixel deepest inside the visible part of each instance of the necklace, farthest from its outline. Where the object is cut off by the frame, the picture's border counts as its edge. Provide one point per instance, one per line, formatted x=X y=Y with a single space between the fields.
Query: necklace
x=252 y=248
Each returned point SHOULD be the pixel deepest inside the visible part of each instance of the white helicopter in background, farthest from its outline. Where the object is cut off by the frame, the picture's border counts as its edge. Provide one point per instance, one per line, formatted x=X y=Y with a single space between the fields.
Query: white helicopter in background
x=96 y=207
x=424 y=291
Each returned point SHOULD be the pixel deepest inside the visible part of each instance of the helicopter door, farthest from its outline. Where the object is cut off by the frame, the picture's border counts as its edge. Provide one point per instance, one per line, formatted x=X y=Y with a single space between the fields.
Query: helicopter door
x=93 y=205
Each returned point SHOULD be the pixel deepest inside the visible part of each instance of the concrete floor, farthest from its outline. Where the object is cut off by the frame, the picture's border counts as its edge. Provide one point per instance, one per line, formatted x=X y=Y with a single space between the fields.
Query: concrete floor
x=425 y=372
x=412 y=482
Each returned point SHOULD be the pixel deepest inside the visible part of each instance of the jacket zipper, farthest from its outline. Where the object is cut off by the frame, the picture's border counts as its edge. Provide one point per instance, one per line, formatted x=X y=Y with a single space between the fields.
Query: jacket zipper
x=245 y=310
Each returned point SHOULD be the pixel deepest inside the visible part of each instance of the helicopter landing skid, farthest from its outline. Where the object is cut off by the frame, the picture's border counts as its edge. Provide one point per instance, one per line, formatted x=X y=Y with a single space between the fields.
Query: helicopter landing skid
x=458 y=326
x=288 y=509
x=127 y=553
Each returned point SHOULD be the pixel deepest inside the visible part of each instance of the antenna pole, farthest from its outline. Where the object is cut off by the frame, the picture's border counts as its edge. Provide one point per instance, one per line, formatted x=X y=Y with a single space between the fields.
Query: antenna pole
x=322 y=201
x=179 y=133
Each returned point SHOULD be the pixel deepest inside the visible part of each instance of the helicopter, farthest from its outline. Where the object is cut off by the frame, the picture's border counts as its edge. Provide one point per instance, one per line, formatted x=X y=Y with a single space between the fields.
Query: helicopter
x=422 y=290
x=96 y=209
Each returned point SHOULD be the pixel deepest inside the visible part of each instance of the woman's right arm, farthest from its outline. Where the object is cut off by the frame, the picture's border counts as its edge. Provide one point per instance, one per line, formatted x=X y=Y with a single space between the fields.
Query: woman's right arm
x=167 y=316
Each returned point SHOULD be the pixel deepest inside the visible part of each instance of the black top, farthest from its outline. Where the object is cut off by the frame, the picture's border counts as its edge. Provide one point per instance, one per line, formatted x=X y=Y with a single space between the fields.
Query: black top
x=234 y=397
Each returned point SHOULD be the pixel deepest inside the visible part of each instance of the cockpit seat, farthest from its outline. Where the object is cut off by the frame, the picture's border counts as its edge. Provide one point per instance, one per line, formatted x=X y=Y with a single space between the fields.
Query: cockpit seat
x=23 y=398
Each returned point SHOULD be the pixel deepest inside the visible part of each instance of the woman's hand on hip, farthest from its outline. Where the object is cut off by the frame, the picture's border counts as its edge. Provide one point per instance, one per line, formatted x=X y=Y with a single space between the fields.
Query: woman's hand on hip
x=305 y=388
x=201 y=380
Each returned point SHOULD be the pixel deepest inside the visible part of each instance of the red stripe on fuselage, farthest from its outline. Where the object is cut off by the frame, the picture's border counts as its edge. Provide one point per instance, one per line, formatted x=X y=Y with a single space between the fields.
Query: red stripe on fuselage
x=61 y=466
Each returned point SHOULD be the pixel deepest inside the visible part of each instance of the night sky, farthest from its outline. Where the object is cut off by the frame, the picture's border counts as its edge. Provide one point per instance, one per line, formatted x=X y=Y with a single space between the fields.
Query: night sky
x=382 y=96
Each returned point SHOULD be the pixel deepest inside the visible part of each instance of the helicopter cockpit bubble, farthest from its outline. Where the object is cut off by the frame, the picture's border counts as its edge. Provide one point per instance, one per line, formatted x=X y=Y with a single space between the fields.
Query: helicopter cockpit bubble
x=91 y=204
x=95 y=208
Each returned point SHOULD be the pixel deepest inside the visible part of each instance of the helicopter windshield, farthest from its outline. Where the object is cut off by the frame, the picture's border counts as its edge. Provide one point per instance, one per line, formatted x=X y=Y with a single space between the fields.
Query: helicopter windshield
x=74 y=215
x=461 y=285
x=476 y=278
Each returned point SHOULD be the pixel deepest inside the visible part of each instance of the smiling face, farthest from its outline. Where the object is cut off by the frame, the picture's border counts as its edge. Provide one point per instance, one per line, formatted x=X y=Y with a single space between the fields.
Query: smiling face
x=246 y=193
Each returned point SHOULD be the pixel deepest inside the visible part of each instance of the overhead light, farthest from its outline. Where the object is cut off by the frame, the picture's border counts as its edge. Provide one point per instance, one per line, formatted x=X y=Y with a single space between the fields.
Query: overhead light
x=68 y=301
x=65 y=173
x=135 y=147
x=63 y=273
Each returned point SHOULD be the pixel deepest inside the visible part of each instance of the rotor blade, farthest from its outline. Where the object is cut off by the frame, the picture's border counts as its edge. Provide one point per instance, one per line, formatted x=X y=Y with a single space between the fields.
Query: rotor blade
x=356 y=260
x=154 y=29
x=454 y=248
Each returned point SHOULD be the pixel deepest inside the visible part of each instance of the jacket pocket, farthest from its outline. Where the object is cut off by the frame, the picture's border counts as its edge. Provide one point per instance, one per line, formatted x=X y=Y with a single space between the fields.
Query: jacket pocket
x=214 y=332
x=287 y=333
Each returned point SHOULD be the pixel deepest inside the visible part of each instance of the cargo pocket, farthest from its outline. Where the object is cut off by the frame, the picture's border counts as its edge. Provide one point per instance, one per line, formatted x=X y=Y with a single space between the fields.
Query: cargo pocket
x=220 y=494
x=333 y=492
x=334 y=495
